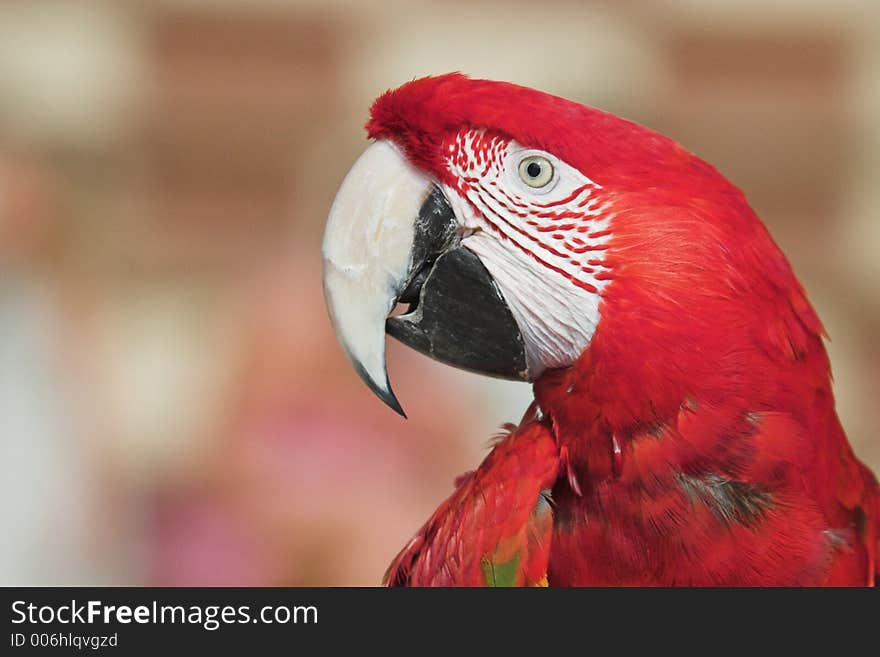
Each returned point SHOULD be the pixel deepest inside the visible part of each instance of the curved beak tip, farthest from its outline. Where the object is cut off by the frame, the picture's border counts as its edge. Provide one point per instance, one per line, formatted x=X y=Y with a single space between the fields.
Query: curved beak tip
x=383 y=391
x=390 y=399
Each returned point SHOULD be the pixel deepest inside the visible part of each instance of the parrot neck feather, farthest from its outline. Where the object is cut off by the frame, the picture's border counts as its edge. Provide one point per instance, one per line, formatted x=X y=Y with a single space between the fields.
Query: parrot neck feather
x=732 y=340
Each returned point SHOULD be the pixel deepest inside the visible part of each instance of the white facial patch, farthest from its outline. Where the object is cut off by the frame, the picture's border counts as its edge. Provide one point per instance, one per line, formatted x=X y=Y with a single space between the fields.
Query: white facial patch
x=544 y=246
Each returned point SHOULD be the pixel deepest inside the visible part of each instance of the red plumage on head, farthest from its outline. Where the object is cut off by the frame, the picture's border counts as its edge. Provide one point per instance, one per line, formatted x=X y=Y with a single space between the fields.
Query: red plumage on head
x=420 y=114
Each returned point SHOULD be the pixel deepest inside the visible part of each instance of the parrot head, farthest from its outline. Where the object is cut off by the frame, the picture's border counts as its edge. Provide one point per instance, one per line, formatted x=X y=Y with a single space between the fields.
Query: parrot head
x=519 y=227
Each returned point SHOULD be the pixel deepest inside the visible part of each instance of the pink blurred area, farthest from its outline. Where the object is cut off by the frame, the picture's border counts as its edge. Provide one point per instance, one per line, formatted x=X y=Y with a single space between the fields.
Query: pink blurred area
x=175 y=408
x=307 y=476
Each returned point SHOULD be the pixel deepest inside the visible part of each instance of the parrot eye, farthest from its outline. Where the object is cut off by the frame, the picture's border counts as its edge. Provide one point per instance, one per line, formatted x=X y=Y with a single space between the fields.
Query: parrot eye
x=536 y=171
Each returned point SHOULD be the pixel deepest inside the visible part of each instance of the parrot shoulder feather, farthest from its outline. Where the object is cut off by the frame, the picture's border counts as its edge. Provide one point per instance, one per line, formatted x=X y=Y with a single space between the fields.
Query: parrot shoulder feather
x=495 y=529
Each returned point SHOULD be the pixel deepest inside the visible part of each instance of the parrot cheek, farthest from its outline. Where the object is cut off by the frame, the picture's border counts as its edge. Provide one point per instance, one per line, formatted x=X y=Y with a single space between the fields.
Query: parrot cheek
x=556 y=318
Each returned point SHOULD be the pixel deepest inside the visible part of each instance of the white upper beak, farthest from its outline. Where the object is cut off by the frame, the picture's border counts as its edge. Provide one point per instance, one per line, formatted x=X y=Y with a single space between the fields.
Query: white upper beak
x=367 y=253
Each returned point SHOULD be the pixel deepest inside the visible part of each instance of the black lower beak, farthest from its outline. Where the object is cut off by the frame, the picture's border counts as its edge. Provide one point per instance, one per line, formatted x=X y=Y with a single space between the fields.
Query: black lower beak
x=457 y=313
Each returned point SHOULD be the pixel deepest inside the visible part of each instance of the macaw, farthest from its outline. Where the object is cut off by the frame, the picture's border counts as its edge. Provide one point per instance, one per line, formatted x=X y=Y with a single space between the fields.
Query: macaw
x=683 y=429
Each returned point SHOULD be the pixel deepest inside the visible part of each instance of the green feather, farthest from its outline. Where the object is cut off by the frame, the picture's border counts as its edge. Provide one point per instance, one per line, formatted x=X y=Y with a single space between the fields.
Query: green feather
x=500 y=574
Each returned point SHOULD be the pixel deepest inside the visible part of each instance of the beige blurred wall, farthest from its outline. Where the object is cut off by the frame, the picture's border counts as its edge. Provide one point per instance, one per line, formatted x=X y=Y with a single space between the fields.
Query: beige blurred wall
x=165 y=172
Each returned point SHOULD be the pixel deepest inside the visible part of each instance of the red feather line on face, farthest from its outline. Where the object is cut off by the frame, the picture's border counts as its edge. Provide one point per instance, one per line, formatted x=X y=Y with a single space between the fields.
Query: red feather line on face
x=502 y=212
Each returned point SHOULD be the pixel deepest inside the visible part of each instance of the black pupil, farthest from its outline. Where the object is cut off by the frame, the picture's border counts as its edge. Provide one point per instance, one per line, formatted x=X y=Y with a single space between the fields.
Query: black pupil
x=533 y=169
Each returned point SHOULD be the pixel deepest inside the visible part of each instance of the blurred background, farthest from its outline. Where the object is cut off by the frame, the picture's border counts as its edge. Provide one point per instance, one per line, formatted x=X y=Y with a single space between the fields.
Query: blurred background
x=174 y=408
